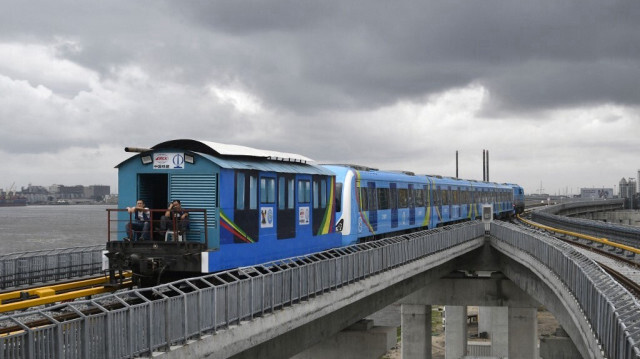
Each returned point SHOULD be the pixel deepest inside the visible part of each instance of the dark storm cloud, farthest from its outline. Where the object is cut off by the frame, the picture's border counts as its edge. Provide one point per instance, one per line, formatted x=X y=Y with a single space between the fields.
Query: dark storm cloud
x=313 y=56
x=360 y=54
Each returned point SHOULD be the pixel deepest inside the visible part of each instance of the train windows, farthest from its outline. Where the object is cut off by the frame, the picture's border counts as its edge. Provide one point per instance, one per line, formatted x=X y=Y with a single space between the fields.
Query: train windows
x=239 y=190
x=291 y=194
x=445 y=197
x=383 y=198
x=338 y=197
x=323 y=193
x=316 y=194
x=454 y=197
x=253 y=192
x=419 y=197
x=403 y=199
x=304 y=191
x=373 y=202
x=364 y=201
x=267 y=190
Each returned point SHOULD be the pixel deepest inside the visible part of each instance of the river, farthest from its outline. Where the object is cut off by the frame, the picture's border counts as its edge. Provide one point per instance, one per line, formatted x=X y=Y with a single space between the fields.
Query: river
x=30 y=228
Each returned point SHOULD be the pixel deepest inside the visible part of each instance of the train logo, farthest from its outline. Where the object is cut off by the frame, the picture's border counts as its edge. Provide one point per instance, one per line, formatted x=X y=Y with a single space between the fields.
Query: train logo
x=178 y=160
x=168 y=161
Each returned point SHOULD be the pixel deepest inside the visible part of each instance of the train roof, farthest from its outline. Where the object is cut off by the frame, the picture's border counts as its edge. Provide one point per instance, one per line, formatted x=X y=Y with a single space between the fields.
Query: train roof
x=241 y=157
x=223 y=149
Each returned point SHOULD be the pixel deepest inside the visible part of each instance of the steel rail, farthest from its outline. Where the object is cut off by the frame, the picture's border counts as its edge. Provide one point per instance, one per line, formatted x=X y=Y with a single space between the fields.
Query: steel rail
x=601 y=240
x=24 y=299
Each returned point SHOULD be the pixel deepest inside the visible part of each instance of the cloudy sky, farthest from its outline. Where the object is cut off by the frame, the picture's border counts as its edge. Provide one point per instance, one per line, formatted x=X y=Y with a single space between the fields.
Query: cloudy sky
x=550 y=88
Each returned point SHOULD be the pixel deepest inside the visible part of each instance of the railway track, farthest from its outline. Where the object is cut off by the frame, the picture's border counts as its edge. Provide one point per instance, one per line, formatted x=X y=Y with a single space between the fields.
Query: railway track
x=623 y=257
x=33 y=297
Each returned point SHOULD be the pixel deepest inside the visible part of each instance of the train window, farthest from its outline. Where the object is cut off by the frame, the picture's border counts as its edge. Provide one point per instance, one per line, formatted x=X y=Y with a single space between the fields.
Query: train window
x=454 y=197
x=393 y=198
x=316 y=193
x=281 y=193
x=338 y=198
x=291 y=194
x=323 y=193
x=267 y=190
x=304 y=191
x=373 y=202
x=445 y=197
x=403 y=200
x=364 y=202
x=240 y=190
x=383 y=198
x=419 y=196
x=253 y=192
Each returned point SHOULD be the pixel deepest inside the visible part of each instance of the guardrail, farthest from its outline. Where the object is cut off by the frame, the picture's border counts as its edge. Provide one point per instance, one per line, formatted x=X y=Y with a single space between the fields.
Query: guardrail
x=627 y=235
x=139 y=322
x=28 y=268
x=612 y=312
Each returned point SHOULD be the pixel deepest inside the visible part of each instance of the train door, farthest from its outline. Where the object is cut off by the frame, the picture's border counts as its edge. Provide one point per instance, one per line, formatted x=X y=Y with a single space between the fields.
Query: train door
x=373 y=205
x=153 y=190
x=267 y=205
x=393 y=195
x=319 y=202
x=286 y=217
x=303 y=206
x=412 y=206
x=246 y=214
x=455 y=192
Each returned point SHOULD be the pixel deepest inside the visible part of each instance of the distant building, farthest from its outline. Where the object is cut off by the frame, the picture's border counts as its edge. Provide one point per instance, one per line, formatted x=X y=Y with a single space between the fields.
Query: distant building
x=77 y=194
x=97 y=192
x=627 y=188
x=596 y=193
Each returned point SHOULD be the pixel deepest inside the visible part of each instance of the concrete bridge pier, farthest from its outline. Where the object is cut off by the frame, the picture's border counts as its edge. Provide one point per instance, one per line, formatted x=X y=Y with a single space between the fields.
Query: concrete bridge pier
x=416 y=331
x=455 y=332
x=523 y=333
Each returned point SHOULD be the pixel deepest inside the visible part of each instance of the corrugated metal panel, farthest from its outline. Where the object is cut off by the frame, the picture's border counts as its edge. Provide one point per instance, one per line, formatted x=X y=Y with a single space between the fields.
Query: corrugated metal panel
x=269 y=166
x=196 y=191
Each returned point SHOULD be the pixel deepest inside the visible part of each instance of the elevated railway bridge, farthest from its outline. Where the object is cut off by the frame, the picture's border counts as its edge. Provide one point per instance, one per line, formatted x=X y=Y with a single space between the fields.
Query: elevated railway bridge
x=334 y=303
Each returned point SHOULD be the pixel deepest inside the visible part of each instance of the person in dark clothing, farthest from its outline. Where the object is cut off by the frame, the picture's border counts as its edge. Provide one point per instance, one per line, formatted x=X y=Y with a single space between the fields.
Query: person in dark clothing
x=140 y=225
x=175 y=214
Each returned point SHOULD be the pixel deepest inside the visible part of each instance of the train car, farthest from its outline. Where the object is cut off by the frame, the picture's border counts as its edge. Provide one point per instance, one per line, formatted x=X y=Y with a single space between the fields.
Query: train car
x=518 y=198
x=245 y=206
x=373 y=204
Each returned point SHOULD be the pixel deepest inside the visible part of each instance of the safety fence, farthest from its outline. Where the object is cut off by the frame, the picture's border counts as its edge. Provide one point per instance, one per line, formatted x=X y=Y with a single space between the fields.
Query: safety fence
x=139 y=322
x=28 y=268
x=613 y=313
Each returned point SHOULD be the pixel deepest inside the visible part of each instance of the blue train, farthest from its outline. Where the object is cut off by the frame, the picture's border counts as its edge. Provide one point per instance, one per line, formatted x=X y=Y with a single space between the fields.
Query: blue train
x=247 y=206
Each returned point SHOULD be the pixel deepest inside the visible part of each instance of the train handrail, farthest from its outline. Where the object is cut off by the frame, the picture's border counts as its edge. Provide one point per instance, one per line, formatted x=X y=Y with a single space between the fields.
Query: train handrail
x=152 y=221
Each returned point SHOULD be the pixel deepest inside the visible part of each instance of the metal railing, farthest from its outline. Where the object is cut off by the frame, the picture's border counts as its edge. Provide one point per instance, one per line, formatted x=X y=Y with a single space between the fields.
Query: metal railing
x=138 y=322
x=613 y=313
x=117 y=228
x=28 y=268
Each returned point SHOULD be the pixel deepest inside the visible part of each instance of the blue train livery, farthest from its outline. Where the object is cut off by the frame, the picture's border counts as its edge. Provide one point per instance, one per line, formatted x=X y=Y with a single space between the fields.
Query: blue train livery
x=247 y=206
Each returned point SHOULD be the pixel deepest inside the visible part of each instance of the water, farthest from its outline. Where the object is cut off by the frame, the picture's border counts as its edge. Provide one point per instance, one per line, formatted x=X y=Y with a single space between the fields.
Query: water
x=30 y=228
